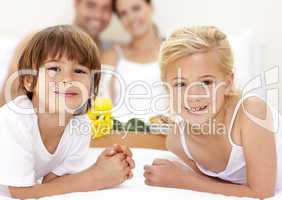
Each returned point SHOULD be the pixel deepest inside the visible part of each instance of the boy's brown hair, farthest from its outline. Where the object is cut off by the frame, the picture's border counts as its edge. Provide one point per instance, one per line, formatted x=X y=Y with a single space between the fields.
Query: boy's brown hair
x=54 y=43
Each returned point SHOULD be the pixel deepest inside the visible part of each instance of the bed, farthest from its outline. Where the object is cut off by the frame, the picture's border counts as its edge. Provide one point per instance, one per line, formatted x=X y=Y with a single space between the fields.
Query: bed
x=135 y=188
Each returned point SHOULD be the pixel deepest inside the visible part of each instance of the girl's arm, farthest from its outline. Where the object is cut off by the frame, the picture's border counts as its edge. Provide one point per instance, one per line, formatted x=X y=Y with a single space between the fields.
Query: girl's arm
x=165 y=173
x=203 y=183
x=260 y=154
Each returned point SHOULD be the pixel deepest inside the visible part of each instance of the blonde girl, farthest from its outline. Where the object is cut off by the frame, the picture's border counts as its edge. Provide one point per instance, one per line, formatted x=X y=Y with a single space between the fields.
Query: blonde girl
x=227 y=139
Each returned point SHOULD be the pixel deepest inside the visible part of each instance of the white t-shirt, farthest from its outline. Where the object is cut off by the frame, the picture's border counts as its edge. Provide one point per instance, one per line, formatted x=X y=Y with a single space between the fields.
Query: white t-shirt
x=24 y=158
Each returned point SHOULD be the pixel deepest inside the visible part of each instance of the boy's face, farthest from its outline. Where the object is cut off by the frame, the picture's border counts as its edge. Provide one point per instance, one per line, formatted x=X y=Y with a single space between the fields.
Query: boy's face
x=198 y=87
x=62 y=86
x=93 y=16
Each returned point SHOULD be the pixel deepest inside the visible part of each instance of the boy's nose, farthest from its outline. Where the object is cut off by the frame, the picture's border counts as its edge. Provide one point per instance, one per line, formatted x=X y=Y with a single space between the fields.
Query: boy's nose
x=67 y=82
x=67 y=79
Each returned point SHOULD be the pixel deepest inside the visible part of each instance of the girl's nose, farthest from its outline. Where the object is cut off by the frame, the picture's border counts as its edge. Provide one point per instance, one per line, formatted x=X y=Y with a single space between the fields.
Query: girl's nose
x=197 y=89
x=196 y=93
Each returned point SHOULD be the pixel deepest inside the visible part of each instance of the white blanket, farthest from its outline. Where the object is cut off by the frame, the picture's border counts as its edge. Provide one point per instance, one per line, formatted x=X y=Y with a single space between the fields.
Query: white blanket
x=135 y=188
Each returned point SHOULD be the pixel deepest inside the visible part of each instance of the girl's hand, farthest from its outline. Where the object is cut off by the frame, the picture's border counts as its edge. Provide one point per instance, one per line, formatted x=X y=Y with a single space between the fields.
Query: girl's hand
x=165 y=173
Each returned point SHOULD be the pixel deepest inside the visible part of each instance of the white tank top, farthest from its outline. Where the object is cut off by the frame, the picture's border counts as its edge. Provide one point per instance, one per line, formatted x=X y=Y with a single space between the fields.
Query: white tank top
x=235 y=170
x=138 y=79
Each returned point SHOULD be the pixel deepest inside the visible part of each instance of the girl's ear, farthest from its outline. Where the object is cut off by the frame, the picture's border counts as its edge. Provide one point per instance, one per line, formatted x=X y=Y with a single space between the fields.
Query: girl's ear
x=28 y=83
x=229 y=83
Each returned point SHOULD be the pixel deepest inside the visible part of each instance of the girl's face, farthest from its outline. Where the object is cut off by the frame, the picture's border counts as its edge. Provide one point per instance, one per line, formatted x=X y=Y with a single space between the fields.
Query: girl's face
x=198 y=87
x=62 y=86
x=135 y=15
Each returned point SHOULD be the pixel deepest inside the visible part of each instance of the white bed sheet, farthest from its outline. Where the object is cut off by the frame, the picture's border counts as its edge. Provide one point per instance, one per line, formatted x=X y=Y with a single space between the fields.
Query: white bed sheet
x=135 y=188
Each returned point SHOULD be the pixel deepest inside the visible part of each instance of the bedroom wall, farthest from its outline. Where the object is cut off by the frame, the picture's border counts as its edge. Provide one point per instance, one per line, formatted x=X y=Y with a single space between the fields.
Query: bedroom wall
x=18 y=17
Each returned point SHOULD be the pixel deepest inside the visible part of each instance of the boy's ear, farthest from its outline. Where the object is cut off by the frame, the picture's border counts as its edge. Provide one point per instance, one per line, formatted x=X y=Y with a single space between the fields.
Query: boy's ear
x=28 y=83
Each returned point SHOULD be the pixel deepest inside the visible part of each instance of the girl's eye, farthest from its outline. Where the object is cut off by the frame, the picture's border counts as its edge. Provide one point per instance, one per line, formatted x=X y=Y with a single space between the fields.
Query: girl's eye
x=80 y=71
x=207 y=82
x=179 y=84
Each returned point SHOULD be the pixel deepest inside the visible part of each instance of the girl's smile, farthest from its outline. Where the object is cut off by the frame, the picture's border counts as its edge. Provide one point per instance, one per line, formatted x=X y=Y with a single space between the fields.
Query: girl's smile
x=197 y=110
x=200 y=84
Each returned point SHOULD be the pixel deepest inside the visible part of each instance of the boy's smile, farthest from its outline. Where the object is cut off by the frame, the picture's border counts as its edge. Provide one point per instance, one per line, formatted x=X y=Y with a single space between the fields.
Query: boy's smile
x=66 y=94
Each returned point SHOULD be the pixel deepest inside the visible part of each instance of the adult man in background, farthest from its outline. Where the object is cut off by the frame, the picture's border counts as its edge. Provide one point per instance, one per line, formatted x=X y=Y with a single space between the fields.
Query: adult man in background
x=94 y=16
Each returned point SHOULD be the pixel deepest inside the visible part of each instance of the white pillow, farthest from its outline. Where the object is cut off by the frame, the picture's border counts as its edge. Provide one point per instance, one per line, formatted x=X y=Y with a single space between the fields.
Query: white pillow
x=7 y=49
x=247 y=61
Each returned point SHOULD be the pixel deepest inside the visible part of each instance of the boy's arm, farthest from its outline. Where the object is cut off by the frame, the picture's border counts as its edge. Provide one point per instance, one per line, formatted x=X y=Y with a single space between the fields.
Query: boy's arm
x=88 y=180
x=79 y=182
x=50 y=177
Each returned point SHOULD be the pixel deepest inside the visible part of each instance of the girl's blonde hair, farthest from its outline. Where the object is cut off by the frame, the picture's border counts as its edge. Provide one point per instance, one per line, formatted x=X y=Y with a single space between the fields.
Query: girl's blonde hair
x=199 y=39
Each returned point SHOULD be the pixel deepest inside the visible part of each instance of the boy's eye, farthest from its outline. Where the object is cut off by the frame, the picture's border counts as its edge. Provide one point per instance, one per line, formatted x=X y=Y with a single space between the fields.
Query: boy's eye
x=179 y=84
x=55 y=69
x=80 y=71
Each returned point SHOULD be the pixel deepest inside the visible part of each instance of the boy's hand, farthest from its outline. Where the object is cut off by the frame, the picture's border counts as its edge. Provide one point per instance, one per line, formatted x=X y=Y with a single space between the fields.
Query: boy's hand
x=120 y=149
x=109 y=171
x=117 y=148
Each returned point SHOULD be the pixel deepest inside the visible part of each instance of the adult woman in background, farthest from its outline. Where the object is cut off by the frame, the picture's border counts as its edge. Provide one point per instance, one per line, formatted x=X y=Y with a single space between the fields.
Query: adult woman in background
x=136 y=63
